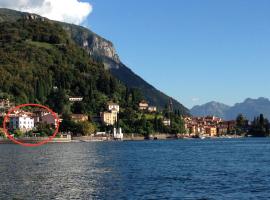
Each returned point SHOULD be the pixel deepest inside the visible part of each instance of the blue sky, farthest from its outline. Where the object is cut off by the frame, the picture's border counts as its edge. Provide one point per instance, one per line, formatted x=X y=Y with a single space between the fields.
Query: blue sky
x=195 y=51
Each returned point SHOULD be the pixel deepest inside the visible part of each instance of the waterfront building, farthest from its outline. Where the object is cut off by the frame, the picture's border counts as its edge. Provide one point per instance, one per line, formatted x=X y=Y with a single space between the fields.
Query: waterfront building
x=42 y=115
x=22 y=121
x=211 y=131
x=48 y=119
x=117 y=134
x=109 y=118
x=222 y=129
x=38 y=113
x=209 y=125
x=227 y=127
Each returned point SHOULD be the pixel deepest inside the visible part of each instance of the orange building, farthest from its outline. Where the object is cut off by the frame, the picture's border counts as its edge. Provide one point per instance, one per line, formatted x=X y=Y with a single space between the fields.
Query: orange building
x=211 y=131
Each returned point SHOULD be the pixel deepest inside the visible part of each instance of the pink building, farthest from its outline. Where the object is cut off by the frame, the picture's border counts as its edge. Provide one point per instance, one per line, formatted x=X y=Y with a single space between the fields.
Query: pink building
x=48 y=119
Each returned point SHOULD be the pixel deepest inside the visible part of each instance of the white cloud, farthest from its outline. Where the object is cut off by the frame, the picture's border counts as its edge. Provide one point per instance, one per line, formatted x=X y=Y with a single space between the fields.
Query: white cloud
x=195 y=99
x=71 y=11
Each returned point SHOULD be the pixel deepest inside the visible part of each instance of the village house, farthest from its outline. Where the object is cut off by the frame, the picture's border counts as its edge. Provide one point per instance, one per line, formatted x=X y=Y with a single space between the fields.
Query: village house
x=195 y=129
x=22 y=121
x=113 y=106
x=204 y=125
x=226 y=127
x=212 y=120
x=5 y=104
x=222 y=129
x=75 y=99
x=194 y=125
x=152 y=109
x=79 y=117
x=48 y=119
x=166 y=122
x=143 y=105
x=45 y=117
x=211 y=131
x=109 y=118
x=39 y=112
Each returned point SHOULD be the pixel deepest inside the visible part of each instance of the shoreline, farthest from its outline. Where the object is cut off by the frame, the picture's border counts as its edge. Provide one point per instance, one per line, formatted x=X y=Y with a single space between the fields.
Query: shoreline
x=107 y=139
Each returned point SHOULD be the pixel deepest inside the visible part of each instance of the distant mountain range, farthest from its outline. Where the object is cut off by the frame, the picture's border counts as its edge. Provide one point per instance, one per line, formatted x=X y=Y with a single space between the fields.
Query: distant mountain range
x=249 y=108
x=211 y=108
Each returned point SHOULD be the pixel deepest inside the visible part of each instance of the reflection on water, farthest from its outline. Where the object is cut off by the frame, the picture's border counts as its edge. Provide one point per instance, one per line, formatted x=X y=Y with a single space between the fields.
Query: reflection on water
x=195 y=169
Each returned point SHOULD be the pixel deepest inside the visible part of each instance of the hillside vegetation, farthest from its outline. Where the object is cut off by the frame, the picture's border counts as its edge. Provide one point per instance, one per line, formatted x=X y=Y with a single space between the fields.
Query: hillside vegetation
x=40 y=63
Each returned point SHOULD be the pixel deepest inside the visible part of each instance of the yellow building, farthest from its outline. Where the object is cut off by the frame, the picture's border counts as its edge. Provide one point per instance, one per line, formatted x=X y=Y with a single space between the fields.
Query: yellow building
x=211 y=131
x=109 y=118
x=79 y=117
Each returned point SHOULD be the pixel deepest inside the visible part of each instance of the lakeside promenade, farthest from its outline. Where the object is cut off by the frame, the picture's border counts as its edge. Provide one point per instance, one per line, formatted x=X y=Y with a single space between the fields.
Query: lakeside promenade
x=108 y=138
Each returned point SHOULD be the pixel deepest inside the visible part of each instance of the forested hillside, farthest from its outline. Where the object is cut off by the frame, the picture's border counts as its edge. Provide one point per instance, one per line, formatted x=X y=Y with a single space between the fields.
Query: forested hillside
x=41 y=64
x=103 y=51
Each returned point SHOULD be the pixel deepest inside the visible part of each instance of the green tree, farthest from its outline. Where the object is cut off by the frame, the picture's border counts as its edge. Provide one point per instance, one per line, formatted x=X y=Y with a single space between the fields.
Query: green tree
x=240 y=123
x=2 y=133
x=87 y=128
x=177 y=125
x=45 y=129
x=260 y=127
x=18 y=133
x=58 y=101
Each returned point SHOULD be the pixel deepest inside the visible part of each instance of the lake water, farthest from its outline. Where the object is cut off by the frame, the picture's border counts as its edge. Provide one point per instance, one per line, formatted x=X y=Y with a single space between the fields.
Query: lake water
x=180 y=169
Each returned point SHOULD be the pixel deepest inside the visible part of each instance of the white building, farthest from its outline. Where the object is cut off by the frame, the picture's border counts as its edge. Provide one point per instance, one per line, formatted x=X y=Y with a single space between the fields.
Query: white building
x=152 y=109
x=143 y=105
x=75 y=99
x=113 y=106
x=117 y=134
x=22 y=122
x=166 y=122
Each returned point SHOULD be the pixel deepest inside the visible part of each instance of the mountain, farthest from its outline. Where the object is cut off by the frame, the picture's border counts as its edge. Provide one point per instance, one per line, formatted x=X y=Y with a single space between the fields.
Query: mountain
x=211 y=108
x=249 y=108
x=102 y=50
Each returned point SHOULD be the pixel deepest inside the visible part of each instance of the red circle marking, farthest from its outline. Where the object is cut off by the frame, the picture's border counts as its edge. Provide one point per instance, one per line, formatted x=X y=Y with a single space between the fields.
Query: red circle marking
x=28 y=144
